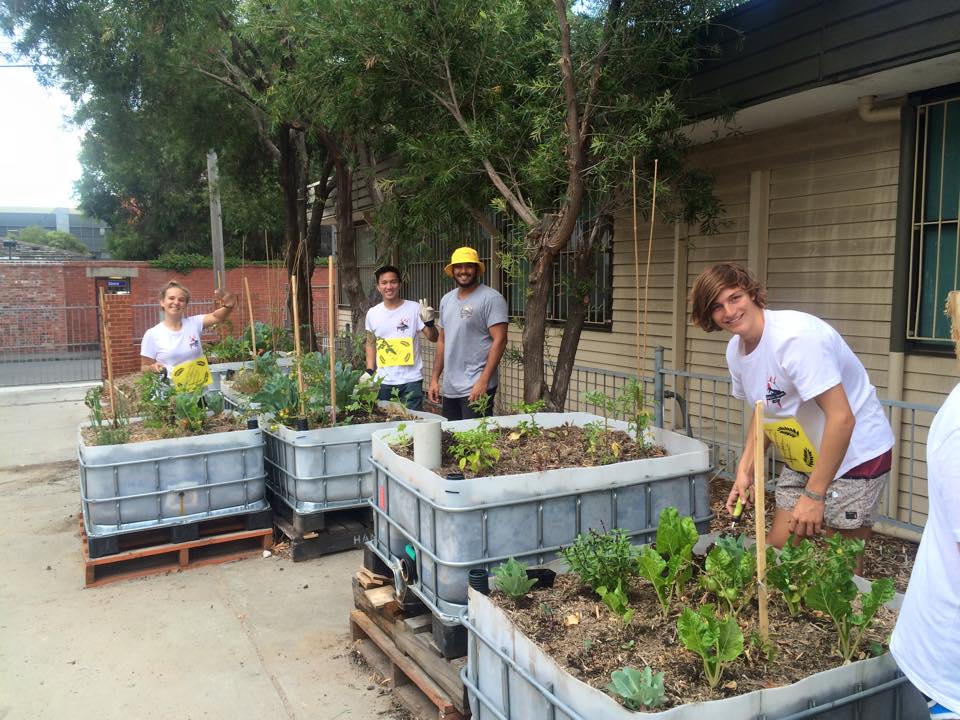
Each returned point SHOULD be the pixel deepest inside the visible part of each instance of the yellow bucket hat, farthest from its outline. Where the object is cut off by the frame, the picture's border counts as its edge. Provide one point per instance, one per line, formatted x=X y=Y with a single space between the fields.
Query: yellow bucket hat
x=464 y=255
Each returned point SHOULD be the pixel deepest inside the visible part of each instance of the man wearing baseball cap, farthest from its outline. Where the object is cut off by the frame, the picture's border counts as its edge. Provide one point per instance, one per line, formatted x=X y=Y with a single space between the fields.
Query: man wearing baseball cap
x=473 y=336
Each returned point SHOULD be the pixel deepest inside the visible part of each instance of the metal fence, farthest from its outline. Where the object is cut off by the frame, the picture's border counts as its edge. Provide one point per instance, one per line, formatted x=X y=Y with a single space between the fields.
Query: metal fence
x=49 y=344
x=701 y=405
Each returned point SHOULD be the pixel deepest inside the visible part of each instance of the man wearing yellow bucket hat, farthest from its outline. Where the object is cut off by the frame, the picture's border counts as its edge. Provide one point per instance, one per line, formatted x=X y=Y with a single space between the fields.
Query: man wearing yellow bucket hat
x=473 y=336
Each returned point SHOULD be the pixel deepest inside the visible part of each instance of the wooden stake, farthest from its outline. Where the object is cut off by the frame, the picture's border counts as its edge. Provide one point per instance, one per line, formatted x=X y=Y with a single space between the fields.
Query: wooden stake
x=646 y=282
x=296 y=338
x=106 y=349
x=636 y=269
x=761 y=517
x=253 y=328
x=332 y=335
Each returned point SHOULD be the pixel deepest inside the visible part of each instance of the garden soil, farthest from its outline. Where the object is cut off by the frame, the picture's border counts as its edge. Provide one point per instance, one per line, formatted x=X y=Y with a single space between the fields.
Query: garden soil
x=257 y=638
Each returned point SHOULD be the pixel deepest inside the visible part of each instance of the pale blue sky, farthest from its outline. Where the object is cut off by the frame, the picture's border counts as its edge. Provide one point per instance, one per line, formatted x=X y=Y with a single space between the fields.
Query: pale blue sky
x=38 y=147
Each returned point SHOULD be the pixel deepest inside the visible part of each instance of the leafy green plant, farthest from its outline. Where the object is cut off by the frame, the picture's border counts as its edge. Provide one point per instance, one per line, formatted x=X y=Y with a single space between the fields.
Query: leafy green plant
x=279 y=396
x=154 y=399
x=230 y=349
x=400 y=437
x=792 y=571
x=476 y=449
x=834 y=592
x=729 y=572
x=528 y=428
x=602 y=559
x=110 y=430
x=189 y=410
x=669 y=565
x=638 y=689
x=599 y=444
x=512 y=580
x=629 y=403
x=717 y=641
x=616 y=600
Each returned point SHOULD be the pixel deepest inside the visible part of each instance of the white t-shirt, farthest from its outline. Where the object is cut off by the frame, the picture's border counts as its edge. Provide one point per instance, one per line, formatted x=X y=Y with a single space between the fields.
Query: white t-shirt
x=398 y=342
x=799 y=357
x=926 y=640
x=172 y=348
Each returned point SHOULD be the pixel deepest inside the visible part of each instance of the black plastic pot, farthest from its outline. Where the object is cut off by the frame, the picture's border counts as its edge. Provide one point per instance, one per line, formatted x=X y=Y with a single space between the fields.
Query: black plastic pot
x=478 y=579
x=302 y=424
x=252 y=423
x=543 y=576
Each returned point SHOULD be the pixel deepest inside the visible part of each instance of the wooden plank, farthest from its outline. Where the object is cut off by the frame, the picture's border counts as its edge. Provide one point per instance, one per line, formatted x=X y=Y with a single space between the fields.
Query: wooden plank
x=427 y=686
x=378 y=597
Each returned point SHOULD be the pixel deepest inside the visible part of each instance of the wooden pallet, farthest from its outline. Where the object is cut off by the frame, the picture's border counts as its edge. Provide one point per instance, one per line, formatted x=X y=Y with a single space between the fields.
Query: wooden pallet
x=345 y=530
x=401 y=648
x=168 y=557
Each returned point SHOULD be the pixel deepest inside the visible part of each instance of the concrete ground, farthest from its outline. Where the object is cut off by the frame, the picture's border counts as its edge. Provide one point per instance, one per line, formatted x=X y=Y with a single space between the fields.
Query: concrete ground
x=258 y=638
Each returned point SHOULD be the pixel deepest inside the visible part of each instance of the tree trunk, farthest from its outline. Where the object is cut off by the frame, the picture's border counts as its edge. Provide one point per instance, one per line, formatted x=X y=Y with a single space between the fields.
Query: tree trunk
x=347 y=245
x=584 y=265
x=293 y=241
x=541 y=259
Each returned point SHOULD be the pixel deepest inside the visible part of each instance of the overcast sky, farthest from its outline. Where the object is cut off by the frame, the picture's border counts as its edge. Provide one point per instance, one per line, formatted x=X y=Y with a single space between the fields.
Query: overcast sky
x=38 y=147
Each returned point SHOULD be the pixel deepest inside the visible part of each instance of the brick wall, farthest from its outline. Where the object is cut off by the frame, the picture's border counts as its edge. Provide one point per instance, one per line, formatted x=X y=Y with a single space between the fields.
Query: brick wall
x=118 y=321
x=57 y=286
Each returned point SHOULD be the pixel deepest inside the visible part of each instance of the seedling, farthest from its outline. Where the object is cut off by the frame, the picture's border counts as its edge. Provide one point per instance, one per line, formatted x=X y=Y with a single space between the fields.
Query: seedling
x=113 y=431
x=638 y=689
x=616 y=600
x=670 y=565
x=716 y=641
x=400 y=438
x=530 y=428
x=512 y=580
x=833 y=592
x=475 y=449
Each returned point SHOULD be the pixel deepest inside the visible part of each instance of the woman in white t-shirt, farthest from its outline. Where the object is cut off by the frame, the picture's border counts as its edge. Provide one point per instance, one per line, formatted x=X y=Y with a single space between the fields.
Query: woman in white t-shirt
x=176 y=339
x=820 y=410
x=926 y=640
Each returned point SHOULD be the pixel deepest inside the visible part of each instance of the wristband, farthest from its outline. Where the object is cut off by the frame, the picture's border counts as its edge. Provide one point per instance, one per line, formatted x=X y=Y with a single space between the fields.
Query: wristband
x=431 y=323
x=813 y=496
x=371 y=372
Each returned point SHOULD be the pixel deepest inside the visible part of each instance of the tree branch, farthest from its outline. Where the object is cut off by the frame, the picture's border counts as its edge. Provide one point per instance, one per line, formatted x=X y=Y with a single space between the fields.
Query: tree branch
x=589 y=106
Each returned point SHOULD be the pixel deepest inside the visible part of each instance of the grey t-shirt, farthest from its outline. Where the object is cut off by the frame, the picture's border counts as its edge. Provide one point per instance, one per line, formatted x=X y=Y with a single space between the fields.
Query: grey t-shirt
x=466 y=337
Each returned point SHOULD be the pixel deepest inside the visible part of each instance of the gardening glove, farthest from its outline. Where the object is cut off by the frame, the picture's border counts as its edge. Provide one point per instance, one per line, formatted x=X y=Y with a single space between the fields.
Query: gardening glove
x=427 y=313
x=367 y=376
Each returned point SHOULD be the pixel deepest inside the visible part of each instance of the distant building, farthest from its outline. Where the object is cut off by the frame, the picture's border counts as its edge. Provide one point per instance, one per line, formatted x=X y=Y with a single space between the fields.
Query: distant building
x=89 y=231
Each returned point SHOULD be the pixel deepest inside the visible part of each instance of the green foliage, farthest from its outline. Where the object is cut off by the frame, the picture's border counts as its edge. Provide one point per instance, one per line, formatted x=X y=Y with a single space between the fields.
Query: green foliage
x=475 y=450
x=481 y=406
x=628 y=403
x=275 y=338
x=834 y=592
x=188 y=410
x=512 y=580
x=639 y=690
x=528 y=428
x=184 y=262
x=599 y=444
x=400 y=437
x=670 y=565
x=155 y=393
x=602 y=559
x=230 y=349
x=113 y=430
x=616 y=601
x=52 y=238
x=717 y=641
x=792 y=571
x=279 y=396
x=730 y=572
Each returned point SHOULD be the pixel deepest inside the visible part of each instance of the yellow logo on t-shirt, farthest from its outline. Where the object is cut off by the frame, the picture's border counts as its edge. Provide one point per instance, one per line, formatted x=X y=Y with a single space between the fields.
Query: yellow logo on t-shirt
x=192 y=374
x=792 y=444
x=392 y=352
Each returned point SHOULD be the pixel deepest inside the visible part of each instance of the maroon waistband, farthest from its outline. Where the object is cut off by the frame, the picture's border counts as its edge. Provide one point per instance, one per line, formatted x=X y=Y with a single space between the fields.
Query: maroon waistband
x=871 y=468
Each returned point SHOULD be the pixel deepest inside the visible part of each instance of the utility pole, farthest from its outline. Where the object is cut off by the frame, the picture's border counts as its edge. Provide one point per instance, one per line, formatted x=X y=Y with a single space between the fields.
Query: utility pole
x=216 y=220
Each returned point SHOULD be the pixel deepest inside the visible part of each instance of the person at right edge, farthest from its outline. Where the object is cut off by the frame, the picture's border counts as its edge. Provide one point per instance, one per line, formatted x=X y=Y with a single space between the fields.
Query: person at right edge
x=473 y=335
x=820 y=410
x=926 y=639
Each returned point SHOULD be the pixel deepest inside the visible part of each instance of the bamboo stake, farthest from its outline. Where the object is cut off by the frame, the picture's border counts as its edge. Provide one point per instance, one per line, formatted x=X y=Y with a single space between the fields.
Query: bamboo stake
x=646 y=282
x=253 y=327
x=296 y=339
x=760 y=517
x=636 y=268
x=106 y=349
x=332 y=334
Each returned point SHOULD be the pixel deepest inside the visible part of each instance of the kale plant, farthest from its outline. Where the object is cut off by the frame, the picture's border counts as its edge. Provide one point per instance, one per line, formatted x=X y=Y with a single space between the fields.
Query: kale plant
x=716 y=641
x=834 y=592
x=512 y=580
x=602 y=559
x=669 y=565
x=638 y=690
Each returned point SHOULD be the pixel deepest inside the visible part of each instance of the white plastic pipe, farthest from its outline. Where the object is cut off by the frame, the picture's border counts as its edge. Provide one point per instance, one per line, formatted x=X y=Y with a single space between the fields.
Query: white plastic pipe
x=427 y=445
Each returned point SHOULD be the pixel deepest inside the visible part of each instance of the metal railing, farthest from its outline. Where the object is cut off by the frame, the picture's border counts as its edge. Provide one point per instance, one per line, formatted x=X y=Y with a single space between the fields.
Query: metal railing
x=49 y=344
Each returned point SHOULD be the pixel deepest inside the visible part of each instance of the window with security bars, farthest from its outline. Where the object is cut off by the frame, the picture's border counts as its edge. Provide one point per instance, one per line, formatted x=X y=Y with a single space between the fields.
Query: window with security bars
x=934 y=261
x=424 y=277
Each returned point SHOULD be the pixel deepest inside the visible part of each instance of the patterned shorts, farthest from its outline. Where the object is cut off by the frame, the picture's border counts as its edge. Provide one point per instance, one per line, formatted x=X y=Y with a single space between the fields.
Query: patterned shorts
x=850 y=503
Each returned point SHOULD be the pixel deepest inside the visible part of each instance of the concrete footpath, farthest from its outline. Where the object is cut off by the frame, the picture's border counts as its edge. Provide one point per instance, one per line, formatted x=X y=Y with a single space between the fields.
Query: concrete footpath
x=258 y=638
